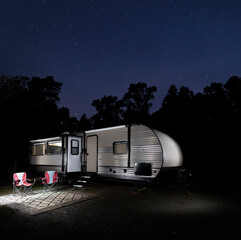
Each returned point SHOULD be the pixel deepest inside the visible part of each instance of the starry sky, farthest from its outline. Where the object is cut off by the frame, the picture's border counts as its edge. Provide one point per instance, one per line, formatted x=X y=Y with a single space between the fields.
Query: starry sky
x=99 y=47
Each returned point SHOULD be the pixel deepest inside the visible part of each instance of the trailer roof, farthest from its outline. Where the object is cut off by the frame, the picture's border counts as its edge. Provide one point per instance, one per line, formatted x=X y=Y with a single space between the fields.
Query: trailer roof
x=105 y=129
x=46 y=139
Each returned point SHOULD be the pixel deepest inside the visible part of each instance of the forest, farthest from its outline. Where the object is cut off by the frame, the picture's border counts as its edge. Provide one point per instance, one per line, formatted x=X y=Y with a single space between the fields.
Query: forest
x=206 y=124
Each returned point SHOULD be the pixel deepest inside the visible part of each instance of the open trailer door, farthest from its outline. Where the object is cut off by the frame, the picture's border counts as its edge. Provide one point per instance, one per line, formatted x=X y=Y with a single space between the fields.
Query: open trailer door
x=92 y=153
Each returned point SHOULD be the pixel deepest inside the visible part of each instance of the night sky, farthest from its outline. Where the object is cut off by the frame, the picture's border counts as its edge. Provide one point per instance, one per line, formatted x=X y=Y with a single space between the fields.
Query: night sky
x=99 y=47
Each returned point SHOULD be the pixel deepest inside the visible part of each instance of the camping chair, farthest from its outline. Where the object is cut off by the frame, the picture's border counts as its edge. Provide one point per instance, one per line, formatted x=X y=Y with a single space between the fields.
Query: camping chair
x=20 y=181
x=50 y=180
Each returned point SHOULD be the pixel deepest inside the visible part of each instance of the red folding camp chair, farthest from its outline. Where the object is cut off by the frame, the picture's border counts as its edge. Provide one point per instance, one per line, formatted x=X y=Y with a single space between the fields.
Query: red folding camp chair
x=20 y=181
x=50 y=180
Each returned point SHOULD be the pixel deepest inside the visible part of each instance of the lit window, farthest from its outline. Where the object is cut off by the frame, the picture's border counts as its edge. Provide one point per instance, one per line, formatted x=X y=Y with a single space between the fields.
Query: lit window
x=54 y=147
x=38 y=149
x=74 y=147
x=120 y=147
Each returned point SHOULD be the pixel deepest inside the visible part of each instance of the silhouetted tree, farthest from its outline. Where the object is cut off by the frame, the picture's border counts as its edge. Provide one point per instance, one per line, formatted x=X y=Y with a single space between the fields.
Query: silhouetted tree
x=28 y=110
x=13 y=106
x=170 y=100
x=173 y=114
x=233 y=87
x=134 y=107
x=84 y=123
x=207 y=126
x=45 y=90
x=176 y=118
x=67 y=123
x=233 y=127
x=108 y=112
x=137 y=103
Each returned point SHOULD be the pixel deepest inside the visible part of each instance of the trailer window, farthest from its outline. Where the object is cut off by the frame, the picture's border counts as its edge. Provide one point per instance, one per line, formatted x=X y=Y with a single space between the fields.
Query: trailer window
x=74 y=147
x=120 y=147
x=38 y=149
x=54 y=147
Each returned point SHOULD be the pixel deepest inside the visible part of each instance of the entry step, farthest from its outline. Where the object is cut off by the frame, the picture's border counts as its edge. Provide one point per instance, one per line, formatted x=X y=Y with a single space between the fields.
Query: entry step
x=81 y=181
x=78 y=186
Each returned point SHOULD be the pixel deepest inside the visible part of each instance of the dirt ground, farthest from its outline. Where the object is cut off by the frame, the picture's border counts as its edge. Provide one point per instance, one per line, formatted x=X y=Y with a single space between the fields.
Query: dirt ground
x=156 y=212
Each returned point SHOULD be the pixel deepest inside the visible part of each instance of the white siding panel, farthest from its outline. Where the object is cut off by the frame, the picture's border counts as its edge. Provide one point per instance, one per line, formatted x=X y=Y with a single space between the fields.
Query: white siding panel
x=145 y=147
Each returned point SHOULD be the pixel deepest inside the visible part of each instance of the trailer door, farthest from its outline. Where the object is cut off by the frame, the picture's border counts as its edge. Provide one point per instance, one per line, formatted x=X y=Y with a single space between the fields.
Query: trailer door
x=91 y=157
x=74 y=154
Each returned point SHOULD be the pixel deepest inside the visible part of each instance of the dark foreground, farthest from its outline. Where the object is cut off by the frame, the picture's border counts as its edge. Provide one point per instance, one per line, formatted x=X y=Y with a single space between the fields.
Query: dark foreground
x=157 y=212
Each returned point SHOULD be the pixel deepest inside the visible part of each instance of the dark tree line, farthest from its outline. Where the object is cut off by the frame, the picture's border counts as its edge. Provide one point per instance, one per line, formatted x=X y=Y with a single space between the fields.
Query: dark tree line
x=206 y=125
x=28 y=110
x=133 y=107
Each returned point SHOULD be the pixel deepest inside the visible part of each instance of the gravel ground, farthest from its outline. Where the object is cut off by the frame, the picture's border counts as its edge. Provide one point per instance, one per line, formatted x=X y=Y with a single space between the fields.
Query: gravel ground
x=156 y=212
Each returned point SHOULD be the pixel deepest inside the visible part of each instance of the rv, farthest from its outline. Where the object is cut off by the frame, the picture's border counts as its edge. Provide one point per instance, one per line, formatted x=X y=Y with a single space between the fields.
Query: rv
x=133 y=152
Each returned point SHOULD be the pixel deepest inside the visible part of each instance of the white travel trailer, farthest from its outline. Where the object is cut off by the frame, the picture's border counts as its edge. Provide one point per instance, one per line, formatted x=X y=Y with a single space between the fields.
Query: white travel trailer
x=133 y=152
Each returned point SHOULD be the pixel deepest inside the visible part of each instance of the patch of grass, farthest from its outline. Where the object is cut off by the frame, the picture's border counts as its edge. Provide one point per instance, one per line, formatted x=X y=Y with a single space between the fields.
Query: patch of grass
x=8 y=189
x=5 y=190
